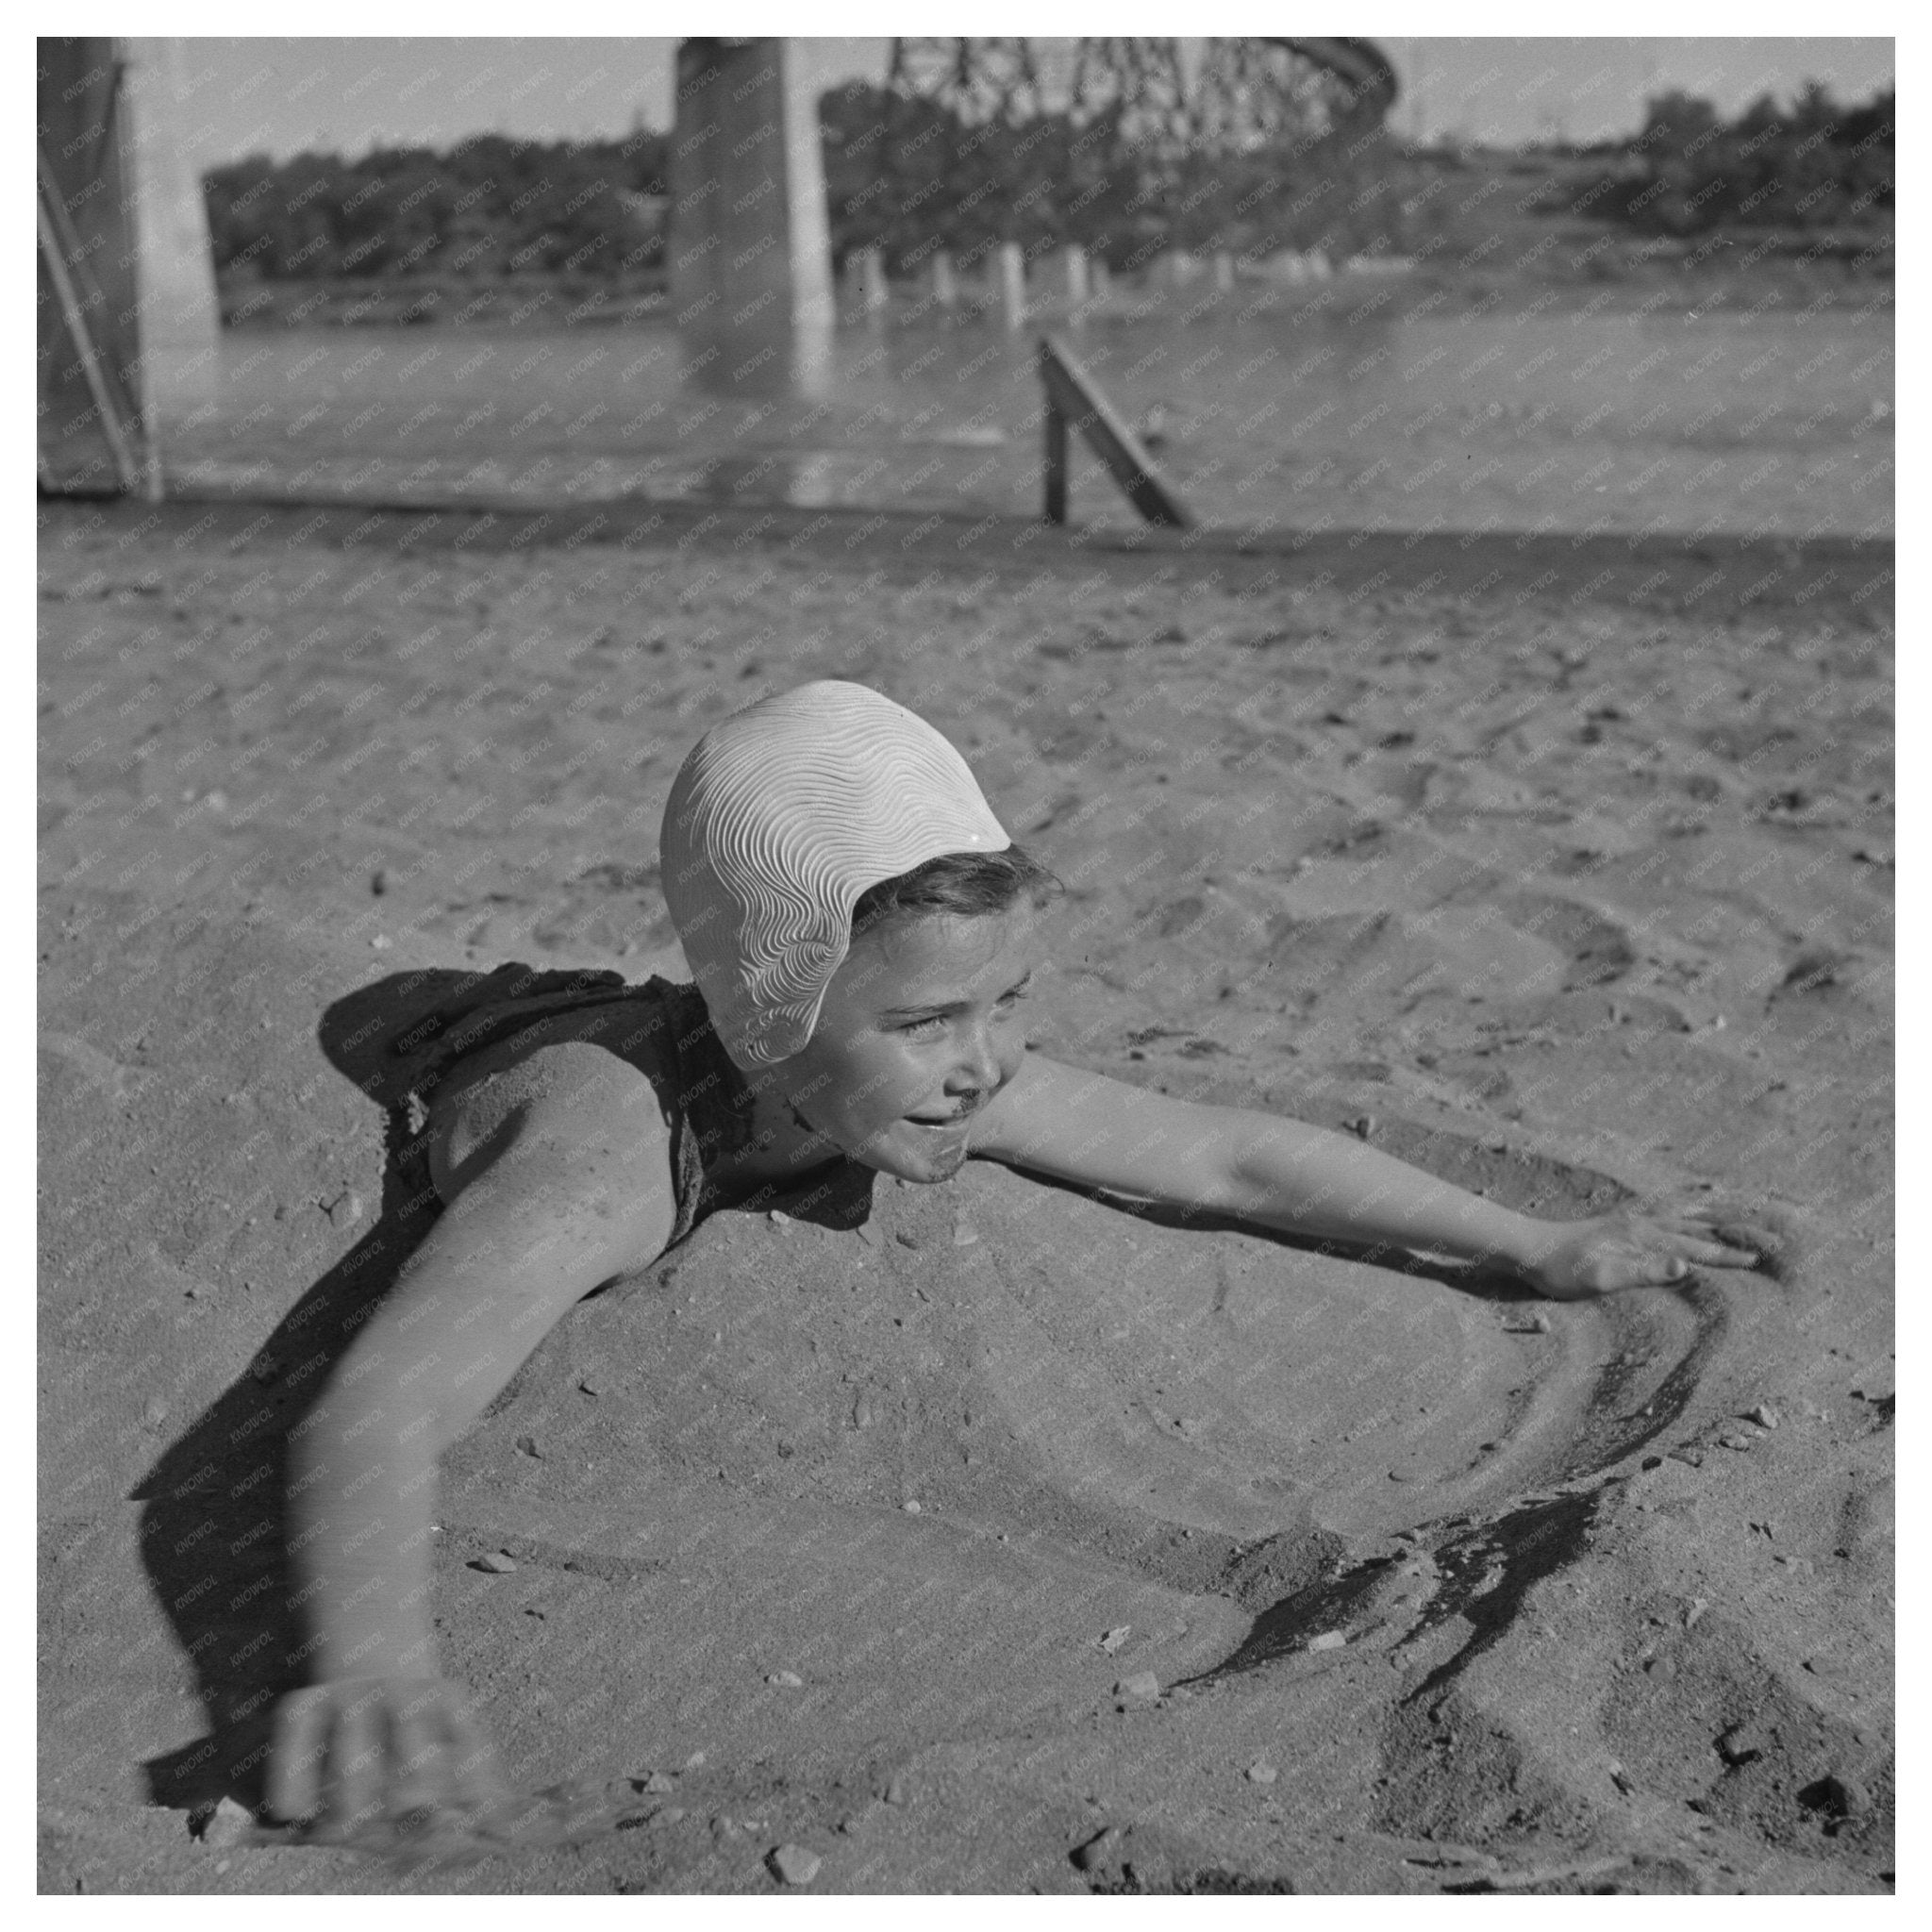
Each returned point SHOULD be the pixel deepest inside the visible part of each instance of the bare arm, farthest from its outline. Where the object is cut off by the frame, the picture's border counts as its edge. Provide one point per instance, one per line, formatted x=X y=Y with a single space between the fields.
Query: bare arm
x=578 y=1191
x=1307 y=1180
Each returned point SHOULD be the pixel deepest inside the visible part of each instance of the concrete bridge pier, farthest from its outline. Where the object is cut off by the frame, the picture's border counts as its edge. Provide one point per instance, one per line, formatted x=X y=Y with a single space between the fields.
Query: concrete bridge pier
x=750 y=245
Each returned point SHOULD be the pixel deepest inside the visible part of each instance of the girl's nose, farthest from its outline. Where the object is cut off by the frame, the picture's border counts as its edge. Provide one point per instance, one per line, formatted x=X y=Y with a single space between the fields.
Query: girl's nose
x=979 y=1067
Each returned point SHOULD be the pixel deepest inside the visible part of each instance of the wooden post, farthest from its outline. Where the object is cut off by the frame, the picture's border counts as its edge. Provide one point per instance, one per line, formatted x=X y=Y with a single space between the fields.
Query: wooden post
x=1012 y=268
x=1057 y=454
x=1079 y=290
x=1073 y=400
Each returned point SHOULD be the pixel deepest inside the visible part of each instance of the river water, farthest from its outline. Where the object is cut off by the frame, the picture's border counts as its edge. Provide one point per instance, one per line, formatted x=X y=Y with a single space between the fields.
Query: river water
x=1363 y=405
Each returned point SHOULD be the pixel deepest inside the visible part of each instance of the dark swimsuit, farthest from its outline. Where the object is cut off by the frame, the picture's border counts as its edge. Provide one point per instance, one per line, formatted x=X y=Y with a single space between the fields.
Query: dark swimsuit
x=660 y=1027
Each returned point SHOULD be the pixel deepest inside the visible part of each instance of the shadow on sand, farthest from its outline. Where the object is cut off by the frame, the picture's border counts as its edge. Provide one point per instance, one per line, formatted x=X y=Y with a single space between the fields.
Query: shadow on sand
x=213 y=1524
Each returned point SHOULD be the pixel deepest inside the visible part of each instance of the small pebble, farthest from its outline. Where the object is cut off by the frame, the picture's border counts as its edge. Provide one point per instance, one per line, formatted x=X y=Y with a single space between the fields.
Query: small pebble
x=1742 y=1743
x=1329 y=1640
x=695 y=1761
x=1116 y=1637
x=964 y=1237
x=1763 y=1415
x=911 y=1507
x=1533 y=1322
x=1735 y=1438
x=906 y=1239
x=1099 y=1850
x=868 y=1234
x=381 y=943
x=1263 y=1772
x=780 y=1219
x=496 y=1561
x=1364 y=1125
x=1694 y=1457
x=725 y=1828
x=527 y=1445
x=1142 y=1684
x=658 y=1781
x=226 y=1826
x=155 y=1413
x=790 y=1679
x=793 y=1864
x=1698 y=1606
x=379 y=882
x=899 y=1788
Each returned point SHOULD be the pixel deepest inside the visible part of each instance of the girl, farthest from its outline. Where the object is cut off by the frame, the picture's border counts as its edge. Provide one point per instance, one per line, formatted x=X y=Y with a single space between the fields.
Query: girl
x=862 y=932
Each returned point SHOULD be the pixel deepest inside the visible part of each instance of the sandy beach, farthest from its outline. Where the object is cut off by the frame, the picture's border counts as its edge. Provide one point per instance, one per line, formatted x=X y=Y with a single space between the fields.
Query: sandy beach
x=1560 y=866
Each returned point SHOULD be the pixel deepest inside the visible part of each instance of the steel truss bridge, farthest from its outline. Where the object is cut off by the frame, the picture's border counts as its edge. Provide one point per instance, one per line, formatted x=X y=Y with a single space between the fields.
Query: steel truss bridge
x=1166 y=141
x=1227 y=94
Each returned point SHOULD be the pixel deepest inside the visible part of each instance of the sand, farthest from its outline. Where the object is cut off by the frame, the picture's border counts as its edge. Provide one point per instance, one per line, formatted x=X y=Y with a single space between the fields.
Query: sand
x=1563 y=869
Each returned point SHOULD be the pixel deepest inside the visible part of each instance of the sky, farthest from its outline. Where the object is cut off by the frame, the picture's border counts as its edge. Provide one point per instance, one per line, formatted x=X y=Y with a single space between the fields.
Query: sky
x=281 y=96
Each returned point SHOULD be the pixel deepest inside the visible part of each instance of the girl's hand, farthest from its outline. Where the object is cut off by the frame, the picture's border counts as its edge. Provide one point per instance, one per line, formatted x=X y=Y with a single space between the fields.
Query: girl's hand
x=1570 y=1260
x=382 y=1762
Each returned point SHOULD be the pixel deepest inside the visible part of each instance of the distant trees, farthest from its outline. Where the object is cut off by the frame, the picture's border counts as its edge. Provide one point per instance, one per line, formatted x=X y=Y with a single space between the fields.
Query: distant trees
x=903 y=175
x=490 y=207
x=1816 y=164
x=908 y=176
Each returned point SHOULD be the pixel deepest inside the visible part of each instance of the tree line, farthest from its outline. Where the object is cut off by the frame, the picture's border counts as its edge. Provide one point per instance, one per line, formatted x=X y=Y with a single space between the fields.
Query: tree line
x=489 y=206
x=1816 y=164
x=907 y=176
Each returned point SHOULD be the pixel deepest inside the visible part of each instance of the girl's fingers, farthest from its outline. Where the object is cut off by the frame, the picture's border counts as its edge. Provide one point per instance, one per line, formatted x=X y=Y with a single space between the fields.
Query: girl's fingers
x=295 y=1756
x=1696 y=1238
x=1715 y=1254
x=418 y=1770
x=354 y=1776
x=1731 y=1258
x=472 y=1765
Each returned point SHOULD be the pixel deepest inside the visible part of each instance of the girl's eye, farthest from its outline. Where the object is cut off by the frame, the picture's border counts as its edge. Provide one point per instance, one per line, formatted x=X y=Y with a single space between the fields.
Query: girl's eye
x=1008 y=1000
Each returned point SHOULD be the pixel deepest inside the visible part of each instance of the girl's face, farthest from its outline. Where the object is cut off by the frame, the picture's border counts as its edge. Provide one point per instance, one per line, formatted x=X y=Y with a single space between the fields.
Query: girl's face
x=921 y=1022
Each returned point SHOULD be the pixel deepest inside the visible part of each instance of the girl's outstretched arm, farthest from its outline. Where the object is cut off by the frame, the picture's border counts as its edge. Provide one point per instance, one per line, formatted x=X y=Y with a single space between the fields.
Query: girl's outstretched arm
x=575 y=1188
x=1307 y=1180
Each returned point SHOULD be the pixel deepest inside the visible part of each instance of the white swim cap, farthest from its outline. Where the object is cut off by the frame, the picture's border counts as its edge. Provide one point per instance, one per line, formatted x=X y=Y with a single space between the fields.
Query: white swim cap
x=778 y=820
